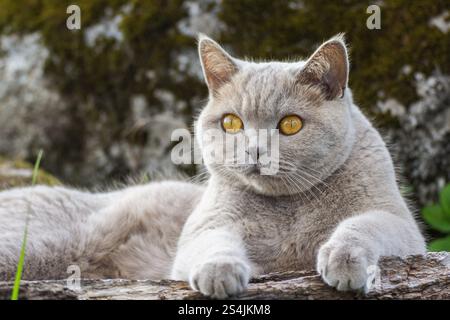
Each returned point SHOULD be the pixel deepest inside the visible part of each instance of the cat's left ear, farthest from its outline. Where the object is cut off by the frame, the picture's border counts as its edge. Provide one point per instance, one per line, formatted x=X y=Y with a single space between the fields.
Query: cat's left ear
x=218 y=66
x=328 y=68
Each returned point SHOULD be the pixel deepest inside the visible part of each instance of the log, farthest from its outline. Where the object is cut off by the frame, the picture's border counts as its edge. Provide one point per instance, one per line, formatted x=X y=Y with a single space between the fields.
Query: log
x=414 y=277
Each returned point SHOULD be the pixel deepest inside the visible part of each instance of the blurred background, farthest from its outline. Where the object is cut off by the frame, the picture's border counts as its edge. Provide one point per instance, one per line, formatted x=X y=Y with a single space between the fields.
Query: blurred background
x=103 y=100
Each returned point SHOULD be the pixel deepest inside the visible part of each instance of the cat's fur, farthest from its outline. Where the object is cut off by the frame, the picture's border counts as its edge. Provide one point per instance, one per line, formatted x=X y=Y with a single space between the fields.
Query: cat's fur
x=334 y=203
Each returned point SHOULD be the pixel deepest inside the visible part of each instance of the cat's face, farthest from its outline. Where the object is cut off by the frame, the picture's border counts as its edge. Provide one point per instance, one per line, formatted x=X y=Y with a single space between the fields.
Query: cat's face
x=305 y=103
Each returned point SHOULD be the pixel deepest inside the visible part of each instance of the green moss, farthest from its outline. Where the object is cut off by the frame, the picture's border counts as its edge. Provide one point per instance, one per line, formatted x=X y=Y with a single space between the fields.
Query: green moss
x=18 y=173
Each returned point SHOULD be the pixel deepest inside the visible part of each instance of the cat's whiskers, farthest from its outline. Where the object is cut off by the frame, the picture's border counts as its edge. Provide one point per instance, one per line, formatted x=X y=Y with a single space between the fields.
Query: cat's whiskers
x=307 y=171
x=328 y=187
x=299 y=175
x=200 y=177
x=310 y=189
x=297 y=190
x=223 y=170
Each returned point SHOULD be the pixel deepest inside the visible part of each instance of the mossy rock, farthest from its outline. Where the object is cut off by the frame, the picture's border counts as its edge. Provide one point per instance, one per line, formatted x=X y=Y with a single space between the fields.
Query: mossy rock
x=18 y=173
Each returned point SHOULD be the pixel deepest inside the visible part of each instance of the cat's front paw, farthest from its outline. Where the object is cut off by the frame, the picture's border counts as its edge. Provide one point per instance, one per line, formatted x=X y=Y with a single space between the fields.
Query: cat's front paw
x=220 y=278
x=344 y=266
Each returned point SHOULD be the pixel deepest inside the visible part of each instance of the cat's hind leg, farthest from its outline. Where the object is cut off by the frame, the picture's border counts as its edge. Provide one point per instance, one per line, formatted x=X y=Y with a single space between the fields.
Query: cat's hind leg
x=136 y=235
x=55 y=215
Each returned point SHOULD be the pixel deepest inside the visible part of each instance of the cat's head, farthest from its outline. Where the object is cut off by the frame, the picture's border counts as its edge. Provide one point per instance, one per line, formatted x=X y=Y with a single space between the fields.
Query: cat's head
x=307 y=101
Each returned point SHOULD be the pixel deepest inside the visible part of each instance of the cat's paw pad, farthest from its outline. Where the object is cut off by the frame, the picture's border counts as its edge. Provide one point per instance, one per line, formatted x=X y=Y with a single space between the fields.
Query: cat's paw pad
x=344 y=266
x=220 y=278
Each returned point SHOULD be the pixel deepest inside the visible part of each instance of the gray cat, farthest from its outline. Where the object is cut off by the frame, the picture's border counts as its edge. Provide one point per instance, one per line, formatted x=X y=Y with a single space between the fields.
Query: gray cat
x=333 y=204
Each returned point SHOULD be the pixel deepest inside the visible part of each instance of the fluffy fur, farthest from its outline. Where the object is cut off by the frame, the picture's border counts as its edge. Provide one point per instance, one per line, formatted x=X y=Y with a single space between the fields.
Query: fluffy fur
x=334 y=203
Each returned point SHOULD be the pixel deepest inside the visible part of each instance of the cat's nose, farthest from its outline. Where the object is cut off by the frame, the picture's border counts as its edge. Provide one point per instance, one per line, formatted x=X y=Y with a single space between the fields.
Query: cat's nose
x=255 y=153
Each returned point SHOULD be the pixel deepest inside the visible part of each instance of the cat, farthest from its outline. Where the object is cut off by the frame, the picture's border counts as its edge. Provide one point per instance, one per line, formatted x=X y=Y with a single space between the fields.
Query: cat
x=333 y=204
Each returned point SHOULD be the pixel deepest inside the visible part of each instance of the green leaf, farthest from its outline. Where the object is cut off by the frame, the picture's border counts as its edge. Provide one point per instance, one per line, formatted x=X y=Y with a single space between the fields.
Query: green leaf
x=434 y=215
x=444 y=198
x=442 y=244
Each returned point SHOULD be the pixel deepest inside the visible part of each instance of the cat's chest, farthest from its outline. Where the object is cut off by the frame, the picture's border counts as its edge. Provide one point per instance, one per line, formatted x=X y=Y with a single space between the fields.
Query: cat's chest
x=282 y=234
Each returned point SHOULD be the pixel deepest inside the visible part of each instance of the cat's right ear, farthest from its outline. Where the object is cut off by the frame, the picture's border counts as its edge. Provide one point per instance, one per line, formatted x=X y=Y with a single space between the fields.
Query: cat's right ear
x=218 y=66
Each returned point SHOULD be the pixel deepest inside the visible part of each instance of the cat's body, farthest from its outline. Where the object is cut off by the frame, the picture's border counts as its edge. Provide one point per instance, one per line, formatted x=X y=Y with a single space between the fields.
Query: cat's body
x=334 y=203
x=285 y=232
x=130 y=233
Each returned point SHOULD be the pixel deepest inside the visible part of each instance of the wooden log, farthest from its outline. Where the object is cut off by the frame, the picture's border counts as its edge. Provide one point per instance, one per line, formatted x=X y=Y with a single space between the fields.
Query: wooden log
x=415 y=277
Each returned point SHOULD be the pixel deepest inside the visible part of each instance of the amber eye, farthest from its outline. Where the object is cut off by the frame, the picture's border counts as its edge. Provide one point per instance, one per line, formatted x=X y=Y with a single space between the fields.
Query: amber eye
x=290 y=125
x=231 y=123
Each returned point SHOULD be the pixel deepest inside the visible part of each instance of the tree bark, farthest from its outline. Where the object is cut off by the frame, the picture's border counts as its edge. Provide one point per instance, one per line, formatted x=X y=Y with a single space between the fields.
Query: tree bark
x=415 y=277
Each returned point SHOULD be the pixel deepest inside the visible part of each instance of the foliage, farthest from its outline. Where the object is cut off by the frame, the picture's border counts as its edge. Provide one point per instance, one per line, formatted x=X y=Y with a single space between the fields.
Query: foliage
x=438 y=217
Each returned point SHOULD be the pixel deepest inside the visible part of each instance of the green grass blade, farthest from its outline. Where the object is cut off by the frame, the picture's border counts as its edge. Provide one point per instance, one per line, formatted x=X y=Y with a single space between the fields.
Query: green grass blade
x=15 y=292
x=37 y=164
